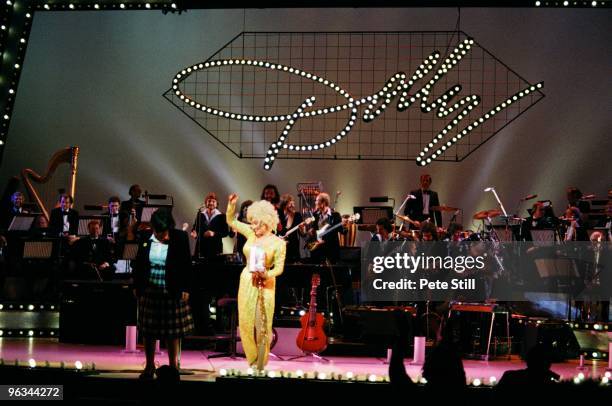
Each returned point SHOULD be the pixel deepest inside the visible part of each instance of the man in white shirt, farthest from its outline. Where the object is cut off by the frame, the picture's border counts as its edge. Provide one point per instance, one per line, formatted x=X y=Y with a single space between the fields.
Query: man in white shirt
x=419 y=208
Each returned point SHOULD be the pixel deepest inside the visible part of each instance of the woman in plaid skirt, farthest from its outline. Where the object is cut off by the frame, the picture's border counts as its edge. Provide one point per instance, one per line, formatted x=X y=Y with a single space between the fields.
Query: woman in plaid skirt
x=162 y=275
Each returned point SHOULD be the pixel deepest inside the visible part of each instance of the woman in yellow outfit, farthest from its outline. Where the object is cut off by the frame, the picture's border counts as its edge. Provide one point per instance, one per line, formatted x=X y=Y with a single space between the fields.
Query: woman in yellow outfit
x=256 y=291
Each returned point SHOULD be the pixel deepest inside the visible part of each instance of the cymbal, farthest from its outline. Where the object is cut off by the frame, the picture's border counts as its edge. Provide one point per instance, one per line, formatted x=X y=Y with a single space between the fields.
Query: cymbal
x=444 y=208
x=405 y=218
x=481 y=215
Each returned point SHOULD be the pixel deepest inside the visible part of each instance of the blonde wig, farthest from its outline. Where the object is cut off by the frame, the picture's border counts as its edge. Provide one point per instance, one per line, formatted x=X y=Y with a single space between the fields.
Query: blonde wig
x=265 y=213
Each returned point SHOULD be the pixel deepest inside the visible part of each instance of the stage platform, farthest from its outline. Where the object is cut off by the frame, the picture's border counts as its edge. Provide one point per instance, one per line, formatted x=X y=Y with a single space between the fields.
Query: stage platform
x=113 y=362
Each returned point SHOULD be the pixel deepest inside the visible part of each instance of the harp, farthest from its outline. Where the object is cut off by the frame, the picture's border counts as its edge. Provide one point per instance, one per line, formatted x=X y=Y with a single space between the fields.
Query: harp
x=53 y=179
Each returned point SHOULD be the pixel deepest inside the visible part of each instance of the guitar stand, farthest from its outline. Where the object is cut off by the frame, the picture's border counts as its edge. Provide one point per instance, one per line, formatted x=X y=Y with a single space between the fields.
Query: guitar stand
x=313 y=357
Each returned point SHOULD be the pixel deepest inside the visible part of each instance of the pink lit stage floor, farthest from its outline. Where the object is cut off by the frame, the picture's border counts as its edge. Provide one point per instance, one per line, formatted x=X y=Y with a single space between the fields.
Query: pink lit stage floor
x=113 y=362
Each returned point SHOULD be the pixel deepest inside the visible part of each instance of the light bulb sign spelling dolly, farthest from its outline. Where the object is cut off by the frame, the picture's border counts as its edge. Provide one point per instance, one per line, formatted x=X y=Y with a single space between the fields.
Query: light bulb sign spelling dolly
x=398 y=87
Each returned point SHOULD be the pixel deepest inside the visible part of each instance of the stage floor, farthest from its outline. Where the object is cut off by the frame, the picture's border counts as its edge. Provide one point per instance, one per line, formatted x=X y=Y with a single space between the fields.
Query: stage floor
x=112 y=362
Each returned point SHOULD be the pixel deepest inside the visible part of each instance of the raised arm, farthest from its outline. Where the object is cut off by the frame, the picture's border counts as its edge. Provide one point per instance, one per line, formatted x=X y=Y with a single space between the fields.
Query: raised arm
x=239 y=226
x=279 y=260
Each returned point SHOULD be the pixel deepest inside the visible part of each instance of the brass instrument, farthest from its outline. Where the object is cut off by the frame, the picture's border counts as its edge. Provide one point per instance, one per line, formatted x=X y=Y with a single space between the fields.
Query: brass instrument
x=67 y=155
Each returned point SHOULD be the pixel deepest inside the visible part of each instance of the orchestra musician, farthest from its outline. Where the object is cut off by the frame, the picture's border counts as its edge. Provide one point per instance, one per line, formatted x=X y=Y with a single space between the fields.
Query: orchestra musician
x=384 y=230
x=93 y=252
x=325 y=216
x=576 y=229
x=270 y=194
x=16 y=208
x=209 y=229
x=64 y=220
x=111 y=221
x=418 y=209
x=289 y=218
x=130 y=212
x=541 y=217
x=574 y=199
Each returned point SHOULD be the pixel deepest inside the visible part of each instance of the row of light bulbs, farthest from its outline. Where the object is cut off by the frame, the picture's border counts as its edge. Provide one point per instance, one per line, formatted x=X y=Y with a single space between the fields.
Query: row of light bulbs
x=26 y=333
x=16 y=67
x=30 y=307
x=32 y=363
x=100 y=6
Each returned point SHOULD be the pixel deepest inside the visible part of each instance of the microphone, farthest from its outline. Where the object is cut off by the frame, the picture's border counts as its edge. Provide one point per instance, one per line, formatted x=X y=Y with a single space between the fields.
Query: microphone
x=489 y=189
x=411 y=197
x=529 y=197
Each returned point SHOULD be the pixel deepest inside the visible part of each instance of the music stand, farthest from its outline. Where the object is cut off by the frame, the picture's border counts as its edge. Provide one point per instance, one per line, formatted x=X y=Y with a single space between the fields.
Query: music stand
x=130 y=250
x=559 y=268
x=37 y=249
x=371 y=214
x=84 y=224
x=149 y=209
x=22 y=222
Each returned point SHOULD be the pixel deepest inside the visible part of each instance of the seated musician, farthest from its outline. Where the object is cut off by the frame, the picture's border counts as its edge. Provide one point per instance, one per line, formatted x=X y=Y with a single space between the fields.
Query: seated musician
x=289 y=219
x=16 y=208
x=209 y=228
x=429 y=232
x=64 y=220
x=384 y=230
x=40 y=227
x=324 y=217
x=576 y=229
x=542 y=218
x=93 y=254
x=418 y=209
x=574 y=199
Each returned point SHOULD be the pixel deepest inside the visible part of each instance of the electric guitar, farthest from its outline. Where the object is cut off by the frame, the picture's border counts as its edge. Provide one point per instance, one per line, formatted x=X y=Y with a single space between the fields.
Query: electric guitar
x=312 y=338
x=293 y=229
x=326 y=229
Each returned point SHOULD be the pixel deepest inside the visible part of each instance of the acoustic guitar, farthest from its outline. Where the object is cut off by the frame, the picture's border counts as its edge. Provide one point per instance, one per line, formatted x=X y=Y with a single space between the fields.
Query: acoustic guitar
x=311 y=338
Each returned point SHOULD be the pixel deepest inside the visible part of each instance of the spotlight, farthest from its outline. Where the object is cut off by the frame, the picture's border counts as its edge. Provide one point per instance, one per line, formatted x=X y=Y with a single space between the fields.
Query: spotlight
x=32 y=363
x=78 y=365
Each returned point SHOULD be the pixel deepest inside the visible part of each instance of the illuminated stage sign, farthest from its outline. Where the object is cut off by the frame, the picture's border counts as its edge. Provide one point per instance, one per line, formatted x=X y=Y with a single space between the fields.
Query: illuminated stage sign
x=459 y=116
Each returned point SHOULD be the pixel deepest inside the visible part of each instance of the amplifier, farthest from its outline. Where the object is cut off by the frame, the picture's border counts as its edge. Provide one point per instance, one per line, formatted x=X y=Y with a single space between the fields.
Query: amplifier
x=96 y=312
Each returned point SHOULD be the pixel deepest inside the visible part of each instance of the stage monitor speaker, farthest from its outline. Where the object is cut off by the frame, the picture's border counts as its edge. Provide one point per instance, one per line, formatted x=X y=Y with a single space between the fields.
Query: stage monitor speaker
x=557 y=335
x=96 y=312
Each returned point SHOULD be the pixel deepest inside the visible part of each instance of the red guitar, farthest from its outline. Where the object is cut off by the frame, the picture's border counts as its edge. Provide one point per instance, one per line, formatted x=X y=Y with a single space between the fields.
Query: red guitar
x=312 y=338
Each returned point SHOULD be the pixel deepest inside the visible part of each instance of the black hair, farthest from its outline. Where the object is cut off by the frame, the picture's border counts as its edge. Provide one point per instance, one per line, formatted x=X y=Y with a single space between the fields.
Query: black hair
x=276 y=198
x=114 y=199
x=385 y=223
x=162 y=220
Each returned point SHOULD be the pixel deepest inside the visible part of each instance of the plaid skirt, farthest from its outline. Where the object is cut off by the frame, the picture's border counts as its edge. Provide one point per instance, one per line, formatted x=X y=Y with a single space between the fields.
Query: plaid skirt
x=163 y=315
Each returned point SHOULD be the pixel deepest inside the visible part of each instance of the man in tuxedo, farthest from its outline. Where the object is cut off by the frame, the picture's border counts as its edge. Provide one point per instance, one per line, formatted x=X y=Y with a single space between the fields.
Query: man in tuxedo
x=330 y=243
x=93 y=253
x=131 y=210
x=64 y=219
x=419 y=208
x=209 y=228
x=111 y=221
x=16 y=208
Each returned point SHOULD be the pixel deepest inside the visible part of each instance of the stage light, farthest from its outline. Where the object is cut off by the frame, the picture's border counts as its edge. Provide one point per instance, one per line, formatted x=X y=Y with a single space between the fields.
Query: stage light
x=1 y=333
x=78 y=365
x=122 y=5
x=423 y=380
x=32 y=363
x=223 y=372
x=322 y=376
x=31 y=333
x=566 y=3
x=3 y=27
x=537 y=3
x=492 y=380
x=1 y=306
x=594 y=4
x=372 y=378
x=302 y=312
x=30 y=307
x=9 y=3
x=28 y=15
x=608 y=374
x=272 y=374
x=173 y=5
x=71 y=6
x=47 y=7
x=250 y=372
x=576 y=380
x=476 y=382
x=17 y=66
x=97 y=6
x=595 y=355
x=22 y=40
x=148 y=5
x=299 y=373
